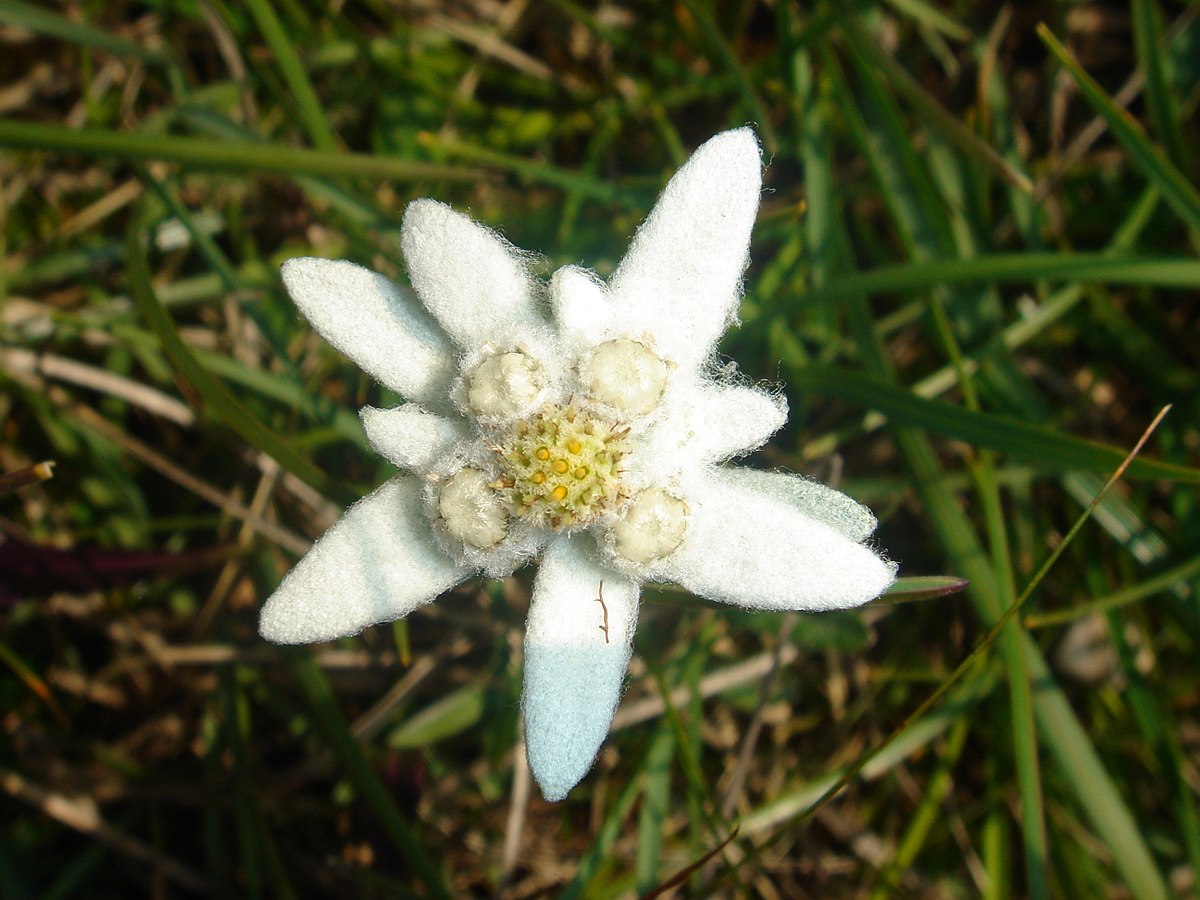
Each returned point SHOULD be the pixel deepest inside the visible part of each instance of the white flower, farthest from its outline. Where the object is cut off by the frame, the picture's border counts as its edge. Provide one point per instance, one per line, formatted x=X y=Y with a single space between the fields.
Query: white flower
x=581 y=421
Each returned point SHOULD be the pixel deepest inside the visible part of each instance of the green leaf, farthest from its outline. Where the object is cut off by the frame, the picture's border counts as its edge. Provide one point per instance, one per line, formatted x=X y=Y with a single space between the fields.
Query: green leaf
x=451 y=715
x=922 y=587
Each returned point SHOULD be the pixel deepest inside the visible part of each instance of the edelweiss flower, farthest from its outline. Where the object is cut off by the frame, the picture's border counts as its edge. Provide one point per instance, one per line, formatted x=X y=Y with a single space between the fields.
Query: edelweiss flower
x=583 y=421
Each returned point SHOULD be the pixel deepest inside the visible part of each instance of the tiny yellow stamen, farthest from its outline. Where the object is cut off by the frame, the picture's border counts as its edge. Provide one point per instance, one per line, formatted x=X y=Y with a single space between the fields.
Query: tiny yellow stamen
x=562 y=463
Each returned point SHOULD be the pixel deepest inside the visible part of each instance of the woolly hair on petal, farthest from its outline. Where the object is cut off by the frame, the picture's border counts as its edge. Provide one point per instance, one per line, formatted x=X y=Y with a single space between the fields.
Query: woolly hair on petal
x=754 y=549
x=732 y=420
x=577 y=650
x=812 y=498
x=581 y=308
x=375 y=323
x=681 y=279
x=474 y=282
x=377 y=563
x=411 y=437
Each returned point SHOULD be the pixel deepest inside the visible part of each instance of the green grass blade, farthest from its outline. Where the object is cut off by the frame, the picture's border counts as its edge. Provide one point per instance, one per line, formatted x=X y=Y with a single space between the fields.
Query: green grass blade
x=730 y=61
x=602 y=844
x=916 y=207
x=1174 y=578
x=928 y=811
x=913 y=588
x=1151 y=43
x=1010 y=268
x=950 y=126
x=930 y=15
x=217 y=398
x=228 y=157
x=281 y=43
x=1181 y=195
x=531 y=171
x=655 y=809
x=329 y=721
x=42 y=21
x=445 y=717
x=1020 y=691
x=1050 y=449
x=1063 y=734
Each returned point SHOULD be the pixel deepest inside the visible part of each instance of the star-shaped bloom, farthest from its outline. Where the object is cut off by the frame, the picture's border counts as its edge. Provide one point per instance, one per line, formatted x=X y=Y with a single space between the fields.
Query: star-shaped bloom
x=582 y=422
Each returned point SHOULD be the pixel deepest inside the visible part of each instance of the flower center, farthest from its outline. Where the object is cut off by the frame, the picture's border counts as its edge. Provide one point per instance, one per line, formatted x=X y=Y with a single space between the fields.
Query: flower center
x=561 y=466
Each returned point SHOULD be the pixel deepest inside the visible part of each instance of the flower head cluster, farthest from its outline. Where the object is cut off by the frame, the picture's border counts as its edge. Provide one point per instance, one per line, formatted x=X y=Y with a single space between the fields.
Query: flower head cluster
x=581 y=421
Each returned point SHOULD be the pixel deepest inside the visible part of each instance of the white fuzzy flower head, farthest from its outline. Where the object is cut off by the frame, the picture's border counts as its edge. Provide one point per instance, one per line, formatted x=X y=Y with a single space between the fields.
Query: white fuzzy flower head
x=592 y=435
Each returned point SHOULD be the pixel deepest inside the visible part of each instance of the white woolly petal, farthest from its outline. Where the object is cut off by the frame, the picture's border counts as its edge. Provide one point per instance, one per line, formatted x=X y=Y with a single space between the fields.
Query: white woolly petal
x=377 y=563
x=573 y=671
x=705 y=423
x=580 y=306
x=717 y=422
x=409 y=436
x=681 y=279
x=817 y=501
x=755 y=549
x=375 y=323
x=473 y=281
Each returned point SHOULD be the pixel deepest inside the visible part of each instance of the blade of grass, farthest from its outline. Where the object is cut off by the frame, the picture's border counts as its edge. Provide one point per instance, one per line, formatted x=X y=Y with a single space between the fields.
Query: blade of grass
x=1065 y=737
x=357 y=210
x=312 y=116
x=928 y=811
x=1020 y=693
x=728 y=59
x=1180 y=194
x=920 y=733
x=1150 y=42
x=915 y=206
x=33 y=682
x=217 y=398
x=950 y=126
x=533 y=171
x=1173 y=578
x=652 y=817
x=229 y=157
x=912 y=588
x=43 y=21
x=930 y=15
x=235 y=720
x=1009 y=268
x=1020 y=707
x=603 y=843
x=444 y=718
x=328 y=720
x=1160 y=733
x=1110 y=816
x=1047 y=447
